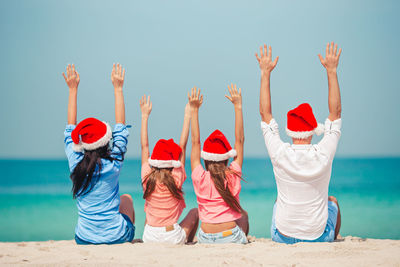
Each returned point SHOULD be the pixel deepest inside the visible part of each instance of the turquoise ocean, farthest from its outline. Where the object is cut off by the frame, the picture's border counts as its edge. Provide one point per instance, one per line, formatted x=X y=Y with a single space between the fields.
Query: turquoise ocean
x=36 y=202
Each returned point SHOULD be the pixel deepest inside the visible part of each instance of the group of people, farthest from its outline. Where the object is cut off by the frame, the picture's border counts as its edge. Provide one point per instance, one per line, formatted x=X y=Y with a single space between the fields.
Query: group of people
x=303 y=211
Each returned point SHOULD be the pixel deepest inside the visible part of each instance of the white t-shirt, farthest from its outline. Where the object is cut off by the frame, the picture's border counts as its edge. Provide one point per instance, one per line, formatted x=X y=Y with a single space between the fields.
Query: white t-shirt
x=302 y=175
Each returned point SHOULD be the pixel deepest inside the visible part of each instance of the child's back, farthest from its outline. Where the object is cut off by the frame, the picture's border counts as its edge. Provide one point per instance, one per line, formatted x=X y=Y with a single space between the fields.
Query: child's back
x=161 y=207
x=212 y=207
x=218 y=186
x=163 y=175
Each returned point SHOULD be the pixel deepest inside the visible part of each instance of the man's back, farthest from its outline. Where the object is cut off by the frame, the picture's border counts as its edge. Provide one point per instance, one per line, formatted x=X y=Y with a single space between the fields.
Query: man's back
x=302 y=174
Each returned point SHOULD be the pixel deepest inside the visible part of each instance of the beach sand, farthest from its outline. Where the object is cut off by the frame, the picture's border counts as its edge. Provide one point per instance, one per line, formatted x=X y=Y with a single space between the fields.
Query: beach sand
x=351 y=251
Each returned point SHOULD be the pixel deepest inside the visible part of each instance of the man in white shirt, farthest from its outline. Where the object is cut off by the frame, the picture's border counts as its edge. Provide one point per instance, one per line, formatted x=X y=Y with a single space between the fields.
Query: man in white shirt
x=303 y=212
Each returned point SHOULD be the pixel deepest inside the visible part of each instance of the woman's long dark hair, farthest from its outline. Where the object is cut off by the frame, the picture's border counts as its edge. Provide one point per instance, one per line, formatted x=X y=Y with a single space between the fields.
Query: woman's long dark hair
x=164 y=176
x=84 y=176
x=219 y=171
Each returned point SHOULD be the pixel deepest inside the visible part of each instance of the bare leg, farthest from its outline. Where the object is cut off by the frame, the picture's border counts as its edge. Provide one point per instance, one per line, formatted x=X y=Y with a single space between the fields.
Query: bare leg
x=339 y=217
x=243 y=222
x=126 y=207
x=190 y=224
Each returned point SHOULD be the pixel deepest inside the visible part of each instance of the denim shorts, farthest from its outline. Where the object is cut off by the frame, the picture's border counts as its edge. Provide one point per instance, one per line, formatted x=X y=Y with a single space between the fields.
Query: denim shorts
x=126 y=237
x=327 y=236
x=234 y=235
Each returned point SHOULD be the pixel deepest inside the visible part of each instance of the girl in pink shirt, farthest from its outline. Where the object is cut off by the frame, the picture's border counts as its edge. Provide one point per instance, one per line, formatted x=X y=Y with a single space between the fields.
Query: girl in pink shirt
x=217 y=188
x=162 y=178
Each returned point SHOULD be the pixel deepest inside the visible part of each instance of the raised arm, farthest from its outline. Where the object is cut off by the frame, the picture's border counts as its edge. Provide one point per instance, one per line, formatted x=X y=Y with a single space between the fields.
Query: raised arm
x=195 y=101
x=236 y=99
x=185 y=133
x=266 y=66
x=145 y=106
x=330 y=62
x=117 y=79
x=72 y=79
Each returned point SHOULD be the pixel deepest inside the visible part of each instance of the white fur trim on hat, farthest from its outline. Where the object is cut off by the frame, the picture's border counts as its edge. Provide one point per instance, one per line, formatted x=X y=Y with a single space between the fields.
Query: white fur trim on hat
x=320 y=129
x=99 y=143
x=77 y=147
x=218 y=157
x=303 y=135
x=164 y=163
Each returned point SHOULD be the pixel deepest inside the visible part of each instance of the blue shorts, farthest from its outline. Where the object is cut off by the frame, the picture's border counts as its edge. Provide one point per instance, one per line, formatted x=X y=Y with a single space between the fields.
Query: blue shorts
x=127 y=237
x=327 y=236
x=234 y=235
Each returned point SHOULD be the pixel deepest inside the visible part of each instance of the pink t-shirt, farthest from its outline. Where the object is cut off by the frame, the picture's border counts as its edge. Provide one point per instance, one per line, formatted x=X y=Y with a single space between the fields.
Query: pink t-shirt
x=212 y=207
x=161 y=207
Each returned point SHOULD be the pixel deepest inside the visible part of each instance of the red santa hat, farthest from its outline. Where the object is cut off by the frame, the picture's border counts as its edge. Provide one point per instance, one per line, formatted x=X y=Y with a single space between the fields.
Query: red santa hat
x=166 y=154
x=217 y=148
x=91 y=134
x=301 y=122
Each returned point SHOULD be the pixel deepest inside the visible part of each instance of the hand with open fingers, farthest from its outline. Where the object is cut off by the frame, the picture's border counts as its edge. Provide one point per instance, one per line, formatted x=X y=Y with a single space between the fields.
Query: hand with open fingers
x=235 y=95
x=117 y=76
x=265 y=60
x=195 y=98
x=145 y=105
x=331 y=60
x=72 y=78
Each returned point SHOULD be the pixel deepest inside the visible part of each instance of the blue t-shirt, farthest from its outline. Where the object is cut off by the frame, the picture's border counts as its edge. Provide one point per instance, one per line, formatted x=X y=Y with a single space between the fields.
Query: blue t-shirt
x=99 y=218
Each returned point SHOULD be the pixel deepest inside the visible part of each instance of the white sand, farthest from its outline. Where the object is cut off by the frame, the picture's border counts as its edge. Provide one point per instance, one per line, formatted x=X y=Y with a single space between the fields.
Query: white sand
x=261 y=252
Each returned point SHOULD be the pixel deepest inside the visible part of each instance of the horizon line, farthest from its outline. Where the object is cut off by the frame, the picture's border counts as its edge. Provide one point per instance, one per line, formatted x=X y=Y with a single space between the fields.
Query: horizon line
x=246 y=158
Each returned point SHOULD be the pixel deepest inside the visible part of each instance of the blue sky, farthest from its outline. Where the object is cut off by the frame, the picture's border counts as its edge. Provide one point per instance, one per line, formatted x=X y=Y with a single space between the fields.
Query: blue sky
x=169 y=46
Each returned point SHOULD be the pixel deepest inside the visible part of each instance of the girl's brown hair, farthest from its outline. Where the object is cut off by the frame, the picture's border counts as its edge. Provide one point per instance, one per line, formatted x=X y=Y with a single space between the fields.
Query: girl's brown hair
x=219 y=171
x=164 y=176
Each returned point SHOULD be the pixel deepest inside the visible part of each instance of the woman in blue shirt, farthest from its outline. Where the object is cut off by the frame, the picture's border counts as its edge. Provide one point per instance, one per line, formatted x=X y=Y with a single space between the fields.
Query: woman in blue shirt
x=95 y=163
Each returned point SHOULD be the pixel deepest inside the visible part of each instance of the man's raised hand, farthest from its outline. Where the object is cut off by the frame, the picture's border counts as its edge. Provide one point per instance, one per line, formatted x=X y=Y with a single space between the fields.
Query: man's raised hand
x=265 y=60
x=331 y=60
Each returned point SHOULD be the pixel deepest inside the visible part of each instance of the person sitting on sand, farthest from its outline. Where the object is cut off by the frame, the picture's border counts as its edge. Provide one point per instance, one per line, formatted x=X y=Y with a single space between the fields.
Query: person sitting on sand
x=95 y=162
x=217 y=188
x=163 y=175
x=303 y=212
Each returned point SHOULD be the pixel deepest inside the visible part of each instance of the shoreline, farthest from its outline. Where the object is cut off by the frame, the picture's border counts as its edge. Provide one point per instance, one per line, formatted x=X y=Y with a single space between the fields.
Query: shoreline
x=350 y=251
